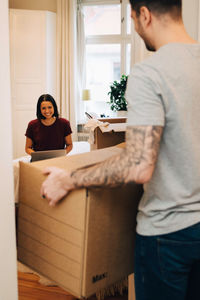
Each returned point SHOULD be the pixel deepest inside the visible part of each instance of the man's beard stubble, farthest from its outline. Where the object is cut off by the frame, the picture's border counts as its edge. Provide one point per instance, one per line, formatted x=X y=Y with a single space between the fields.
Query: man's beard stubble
x=149 y=47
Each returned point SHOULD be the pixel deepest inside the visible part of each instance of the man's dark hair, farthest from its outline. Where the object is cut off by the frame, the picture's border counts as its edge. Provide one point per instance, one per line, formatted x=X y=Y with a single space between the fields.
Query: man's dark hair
x=159 y=7
x=42 y=98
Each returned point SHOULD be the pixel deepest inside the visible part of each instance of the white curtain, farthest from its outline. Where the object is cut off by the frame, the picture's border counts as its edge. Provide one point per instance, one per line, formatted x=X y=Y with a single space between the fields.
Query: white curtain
x=66 y=61
x=81 y=59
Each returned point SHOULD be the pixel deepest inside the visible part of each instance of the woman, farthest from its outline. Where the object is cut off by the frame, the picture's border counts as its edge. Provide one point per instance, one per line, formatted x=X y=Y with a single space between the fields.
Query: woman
x=48 y=131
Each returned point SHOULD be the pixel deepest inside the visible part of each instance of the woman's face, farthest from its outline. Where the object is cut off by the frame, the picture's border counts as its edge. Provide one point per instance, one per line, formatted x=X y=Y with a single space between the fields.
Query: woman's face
x=47 y=109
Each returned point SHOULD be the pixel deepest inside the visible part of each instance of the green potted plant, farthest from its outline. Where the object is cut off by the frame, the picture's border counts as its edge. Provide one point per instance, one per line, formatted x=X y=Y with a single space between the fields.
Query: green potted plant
x=117 y=91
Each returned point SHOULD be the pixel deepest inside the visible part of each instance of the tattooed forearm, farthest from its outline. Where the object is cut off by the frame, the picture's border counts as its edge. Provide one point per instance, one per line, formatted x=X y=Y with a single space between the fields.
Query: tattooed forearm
x=143 y=142
x=135 y=163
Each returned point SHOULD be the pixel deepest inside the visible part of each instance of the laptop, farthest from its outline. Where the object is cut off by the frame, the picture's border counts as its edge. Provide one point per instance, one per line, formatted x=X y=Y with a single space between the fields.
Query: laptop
x=40 y=155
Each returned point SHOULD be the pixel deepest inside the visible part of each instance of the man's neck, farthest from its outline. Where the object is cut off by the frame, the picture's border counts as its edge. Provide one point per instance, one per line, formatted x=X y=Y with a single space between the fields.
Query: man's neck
x=173 y=33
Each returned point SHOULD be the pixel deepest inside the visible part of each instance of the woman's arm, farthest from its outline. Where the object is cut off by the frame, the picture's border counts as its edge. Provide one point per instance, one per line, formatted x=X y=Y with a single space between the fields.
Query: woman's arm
x=68 y=141
x=28 y=146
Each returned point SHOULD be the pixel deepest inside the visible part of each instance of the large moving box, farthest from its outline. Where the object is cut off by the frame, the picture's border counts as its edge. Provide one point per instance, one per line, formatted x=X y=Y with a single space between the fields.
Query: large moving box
x=86 y=242
x=110 y=135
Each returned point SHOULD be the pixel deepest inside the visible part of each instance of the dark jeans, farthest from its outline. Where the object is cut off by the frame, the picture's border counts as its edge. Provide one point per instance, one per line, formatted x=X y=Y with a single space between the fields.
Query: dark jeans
x=167 y=267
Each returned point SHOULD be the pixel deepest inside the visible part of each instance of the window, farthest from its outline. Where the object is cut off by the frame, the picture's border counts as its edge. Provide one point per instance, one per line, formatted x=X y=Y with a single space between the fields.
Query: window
x=108 y=45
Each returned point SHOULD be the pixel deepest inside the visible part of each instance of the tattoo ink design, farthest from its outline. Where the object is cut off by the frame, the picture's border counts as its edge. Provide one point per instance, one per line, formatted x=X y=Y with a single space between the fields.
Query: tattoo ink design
x=135 y=163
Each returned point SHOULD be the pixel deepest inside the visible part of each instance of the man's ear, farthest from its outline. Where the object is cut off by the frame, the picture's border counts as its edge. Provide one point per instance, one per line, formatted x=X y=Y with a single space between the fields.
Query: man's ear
x=145 y=16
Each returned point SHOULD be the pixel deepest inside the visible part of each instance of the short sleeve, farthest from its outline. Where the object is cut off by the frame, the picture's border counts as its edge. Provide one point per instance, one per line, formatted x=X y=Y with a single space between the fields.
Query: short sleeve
x=144 y=97
x=67 y=127
x=29 y=131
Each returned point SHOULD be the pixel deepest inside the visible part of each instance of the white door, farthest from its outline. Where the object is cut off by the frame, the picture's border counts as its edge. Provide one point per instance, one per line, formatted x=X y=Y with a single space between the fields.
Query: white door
x=33 y=67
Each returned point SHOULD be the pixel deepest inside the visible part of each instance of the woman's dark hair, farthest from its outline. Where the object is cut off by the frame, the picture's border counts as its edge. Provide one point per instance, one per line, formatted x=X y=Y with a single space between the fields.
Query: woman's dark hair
x=46 y=97
x=159 y=7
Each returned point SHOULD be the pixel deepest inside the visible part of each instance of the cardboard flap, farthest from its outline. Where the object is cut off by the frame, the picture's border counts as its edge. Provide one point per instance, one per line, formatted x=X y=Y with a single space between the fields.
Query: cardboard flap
x=78 y=161
x=118 y=127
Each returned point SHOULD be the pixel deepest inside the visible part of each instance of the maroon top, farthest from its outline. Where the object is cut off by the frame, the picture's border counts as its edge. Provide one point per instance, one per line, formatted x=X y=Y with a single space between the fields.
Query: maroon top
x=48 y=137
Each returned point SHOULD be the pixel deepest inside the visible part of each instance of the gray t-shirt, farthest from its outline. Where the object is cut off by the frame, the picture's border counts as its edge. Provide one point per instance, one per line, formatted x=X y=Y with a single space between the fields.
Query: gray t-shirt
x=164 y=90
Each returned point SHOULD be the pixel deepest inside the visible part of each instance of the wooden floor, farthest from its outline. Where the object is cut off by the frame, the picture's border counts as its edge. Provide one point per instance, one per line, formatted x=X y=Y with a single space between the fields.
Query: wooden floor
x=30 y=289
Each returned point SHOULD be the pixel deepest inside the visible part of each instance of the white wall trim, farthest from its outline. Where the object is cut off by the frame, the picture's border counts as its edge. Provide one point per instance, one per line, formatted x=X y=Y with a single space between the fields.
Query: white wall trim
x=8 y=275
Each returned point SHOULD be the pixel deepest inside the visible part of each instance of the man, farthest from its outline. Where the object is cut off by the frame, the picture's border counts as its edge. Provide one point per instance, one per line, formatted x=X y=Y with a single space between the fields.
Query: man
x=162 y=150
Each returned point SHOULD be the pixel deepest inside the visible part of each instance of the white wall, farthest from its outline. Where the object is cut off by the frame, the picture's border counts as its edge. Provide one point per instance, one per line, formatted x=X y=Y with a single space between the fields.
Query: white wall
x=34 y=4
x=8 y=274
x=191 y=16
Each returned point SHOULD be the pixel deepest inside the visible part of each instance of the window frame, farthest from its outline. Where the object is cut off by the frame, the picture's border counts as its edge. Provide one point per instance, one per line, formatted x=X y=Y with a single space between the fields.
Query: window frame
x=123 y=39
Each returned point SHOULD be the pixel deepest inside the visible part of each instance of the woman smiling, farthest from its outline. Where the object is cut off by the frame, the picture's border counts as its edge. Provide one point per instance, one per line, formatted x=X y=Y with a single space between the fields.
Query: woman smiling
x=48 y=131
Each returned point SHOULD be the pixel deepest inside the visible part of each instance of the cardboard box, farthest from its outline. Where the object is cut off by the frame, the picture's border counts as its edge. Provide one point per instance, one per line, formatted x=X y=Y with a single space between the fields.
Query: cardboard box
x=113 y=120
x=86 y=242
x=111 y=135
